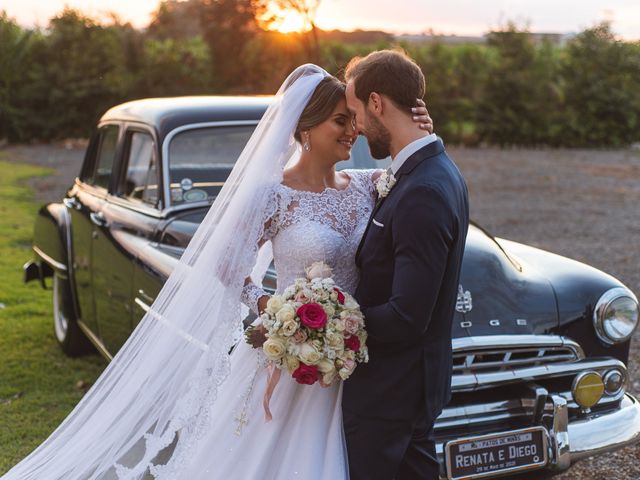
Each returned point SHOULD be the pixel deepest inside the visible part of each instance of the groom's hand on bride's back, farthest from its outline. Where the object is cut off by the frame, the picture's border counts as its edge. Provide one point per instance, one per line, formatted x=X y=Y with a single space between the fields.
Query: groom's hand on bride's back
x=421 y=116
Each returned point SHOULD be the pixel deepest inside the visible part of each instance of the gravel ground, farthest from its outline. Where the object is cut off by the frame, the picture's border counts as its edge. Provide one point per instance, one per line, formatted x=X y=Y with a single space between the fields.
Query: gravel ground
x=579 y=203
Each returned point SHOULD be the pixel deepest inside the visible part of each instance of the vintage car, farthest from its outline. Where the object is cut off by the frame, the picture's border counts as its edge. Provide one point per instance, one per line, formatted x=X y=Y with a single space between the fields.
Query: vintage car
x=540 y=341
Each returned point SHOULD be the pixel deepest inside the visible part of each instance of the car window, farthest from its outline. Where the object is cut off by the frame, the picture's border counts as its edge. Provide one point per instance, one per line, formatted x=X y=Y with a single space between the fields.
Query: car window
x=200 y=160
x=141 y=178
x=88 y=166
x=106 y=155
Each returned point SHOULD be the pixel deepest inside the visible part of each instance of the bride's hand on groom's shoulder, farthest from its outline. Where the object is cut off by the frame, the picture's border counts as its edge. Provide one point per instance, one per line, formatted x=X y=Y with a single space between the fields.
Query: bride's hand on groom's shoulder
x=421 y=116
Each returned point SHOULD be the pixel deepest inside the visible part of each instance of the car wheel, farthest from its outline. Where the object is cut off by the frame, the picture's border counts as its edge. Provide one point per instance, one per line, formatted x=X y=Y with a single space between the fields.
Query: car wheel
x=72 y=340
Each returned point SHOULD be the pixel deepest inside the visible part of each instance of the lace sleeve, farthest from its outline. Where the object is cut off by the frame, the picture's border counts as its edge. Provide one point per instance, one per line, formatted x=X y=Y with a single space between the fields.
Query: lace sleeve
x=251 y=292
x=367 y=179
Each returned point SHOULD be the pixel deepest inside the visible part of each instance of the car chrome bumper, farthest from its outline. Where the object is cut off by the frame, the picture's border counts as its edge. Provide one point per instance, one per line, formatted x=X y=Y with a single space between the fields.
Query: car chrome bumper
x=606 y=432
x=571 y=441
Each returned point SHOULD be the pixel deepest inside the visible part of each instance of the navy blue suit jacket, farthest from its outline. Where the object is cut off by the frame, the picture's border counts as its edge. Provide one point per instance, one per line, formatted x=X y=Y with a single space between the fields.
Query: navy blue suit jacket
x=410 y=258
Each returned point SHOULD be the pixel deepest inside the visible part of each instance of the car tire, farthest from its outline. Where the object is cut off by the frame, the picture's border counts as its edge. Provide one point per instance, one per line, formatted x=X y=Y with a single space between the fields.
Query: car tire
x=72 y=340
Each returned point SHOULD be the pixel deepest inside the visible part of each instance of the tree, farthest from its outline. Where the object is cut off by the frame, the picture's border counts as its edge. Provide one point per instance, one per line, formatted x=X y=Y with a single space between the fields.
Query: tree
x=79 y=72
x=176 y=20
x=514 y=102
x=175 y=67
x=15 y=45
x=602 y=89
x=228 y=26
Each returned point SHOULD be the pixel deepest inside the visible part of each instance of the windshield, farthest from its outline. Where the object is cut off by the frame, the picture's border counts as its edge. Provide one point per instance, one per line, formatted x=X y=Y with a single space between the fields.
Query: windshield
x=200 y=160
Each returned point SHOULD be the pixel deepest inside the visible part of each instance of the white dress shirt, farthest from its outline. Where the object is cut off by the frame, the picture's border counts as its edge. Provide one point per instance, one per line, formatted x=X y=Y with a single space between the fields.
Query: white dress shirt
x=409 y=150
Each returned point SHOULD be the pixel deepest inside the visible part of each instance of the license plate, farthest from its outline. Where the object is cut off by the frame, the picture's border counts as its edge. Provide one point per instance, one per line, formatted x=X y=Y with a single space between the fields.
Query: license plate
x=486 y=455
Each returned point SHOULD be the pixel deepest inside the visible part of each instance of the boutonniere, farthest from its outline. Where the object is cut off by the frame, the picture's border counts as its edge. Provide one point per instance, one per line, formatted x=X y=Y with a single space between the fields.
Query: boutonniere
x=385 y=184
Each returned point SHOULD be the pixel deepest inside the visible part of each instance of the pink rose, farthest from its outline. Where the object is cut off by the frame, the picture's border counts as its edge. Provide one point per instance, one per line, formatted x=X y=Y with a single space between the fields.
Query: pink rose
x=340 y=296
x=301 y=297
x=350 y=365
x=306 y=374
x=352 y=343
x=351 y=325
x=312 y=315
x=300 y=336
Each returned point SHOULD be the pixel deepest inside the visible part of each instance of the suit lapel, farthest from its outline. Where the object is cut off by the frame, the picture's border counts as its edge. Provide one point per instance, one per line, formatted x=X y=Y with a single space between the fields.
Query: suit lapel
x=430 y=150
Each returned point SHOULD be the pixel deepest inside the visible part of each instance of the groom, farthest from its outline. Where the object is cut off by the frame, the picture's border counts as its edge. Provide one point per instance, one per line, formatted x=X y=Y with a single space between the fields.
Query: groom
x=409 y=258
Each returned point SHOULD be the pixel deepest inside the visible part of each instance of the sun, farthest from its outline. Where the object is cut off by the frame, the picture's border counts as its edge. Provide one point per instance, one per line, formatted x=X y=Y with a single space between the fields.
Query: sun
x=290 y=22
x=285 y=21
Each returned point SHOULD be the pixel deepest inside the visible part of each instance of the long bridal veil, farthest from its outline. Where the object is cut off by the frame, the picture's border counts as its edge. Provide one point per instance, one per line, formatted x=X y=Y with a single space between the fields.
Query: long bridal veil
x=159 y=390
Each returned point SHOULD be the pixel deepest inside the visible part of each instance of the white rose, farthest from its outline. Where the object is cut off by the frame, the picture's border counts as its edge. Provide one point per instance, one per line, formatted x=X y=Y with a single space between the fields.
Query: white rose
x=292 y=363
x=335 y=340
x=274 y=348
x=285 y=314
x=309 y=354
x=289 y=327
x=326 y=366
x=274 y=304
x=329 y=377
x=318 y=270
x=329 y=310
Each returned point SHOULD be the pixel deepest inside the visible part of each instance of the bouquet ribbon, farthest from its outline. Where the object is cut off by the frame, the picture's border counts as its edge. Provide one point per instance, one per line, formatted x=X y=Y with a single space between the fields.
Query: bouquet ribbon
x=273 y=376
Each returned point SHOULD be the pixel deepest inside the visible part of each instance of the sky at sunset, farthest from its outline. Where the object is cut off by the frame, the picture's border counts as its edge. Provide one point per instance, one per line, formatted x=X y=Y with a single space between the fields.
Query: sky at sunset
x=462 y=17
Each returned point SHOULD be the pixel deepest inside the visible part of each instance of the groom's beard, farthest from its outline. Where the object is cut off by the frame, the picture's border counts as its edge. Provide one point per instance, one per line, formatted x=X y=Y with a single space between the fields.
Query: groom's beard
x=378 y=137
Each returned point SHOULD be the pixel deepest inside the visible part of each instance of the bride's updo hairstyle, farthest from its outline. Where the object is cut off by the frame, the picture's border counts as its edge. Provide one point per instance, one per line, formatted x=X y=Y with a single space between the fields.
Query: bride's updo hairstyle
x=323 y=101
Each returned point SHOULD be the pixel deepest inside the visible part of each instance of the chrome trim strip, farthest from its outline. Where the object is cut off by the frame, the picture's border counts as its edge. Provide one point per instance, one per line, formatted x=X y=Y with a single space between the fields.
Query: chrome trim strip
x=470 y=364
x=188 y=337
x=531 y=408
x=165 y=152
x=514 y=341
x=480 y=381
x=96 y=342
x=130 y=205
x=49 y=260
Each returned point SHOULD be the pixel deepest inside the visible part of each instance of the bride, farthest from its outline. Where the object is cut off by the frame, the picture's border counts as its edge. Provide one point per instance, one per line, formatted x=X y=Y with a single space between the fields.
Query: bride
x=173 y=404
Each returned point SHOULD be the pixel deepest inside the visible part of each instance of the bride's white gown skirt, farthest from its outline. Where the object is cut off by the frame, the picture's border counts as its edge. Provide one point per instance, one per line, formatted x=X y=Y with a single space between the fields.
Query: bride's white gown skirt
x=304 y=440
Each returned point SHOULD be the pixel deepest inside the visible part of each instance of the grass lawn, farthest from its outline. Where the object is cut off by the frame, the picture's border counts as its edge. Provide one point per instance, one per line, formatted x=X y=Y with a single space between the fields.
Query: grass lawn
x=39 y=385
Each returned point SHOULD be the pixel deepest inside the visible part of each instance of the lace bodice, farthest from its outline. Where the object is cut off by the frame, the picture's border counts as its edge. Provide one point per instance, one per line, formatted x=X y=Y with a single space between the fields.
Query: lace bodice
x=317 y=226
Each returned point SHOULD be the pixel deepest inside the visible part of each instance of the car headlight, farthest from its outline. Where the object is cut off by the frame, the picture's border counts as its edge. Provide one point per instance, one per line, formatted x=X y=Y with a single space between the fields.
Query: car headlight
x=616 y=315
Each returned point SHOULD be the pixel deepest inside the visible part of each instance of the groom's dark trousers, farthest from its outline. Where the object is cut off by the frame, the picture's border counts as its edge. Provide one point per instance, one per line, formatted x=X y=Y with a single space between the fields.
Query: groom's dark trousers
x=410 y=258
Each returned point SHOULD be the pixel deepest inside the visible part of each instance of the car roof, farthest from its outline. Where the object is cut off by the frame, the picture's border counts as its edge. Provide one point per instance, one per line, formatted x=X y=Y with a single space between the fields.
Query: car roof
x=166 y=114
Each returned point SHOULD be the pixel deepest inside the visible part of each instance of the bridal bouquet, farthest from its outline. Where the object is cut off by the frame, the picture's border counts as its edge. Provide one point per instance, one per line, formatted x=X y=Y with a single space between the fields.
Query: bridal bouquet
x=314 y=330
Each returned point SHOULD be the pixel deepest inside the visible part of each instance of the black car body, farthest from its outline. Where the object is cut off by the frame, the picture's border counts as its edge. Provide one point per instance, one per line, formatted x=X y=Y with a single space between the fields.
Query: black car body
x=533 y=342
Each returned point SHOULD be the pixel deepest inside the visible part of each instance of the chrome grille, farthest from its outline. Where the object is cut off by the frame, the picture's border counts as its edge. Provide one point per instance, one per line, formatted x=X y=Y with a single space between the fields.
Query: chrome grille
x=480 y=355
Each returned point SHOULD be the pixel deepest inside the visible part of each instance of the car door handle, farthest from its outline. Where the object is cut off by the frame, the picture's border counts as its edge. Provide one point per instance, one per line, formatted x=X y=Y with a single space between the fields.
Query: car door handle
x=71 y=203
x=98 y=219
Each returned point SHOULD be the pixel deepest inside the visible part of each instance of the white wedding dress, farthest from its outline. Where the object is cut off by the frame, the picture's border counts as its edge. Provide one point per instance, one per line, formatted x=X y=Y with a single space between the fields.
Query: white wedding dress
x=305 y=438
